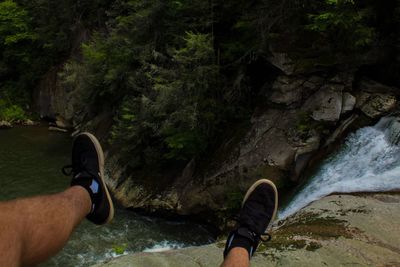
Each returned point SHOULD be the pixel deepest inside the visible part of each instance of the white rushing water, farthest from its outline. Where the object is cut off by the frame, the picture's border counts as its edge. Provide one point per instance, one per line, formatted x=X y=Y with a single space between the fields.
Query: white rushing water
x=367 y=162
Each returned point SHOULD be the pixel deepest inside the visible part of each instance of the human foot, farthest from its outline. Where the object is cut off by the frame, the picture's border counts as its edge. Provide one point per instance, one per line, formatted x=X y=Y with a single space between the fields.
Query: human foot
x=87 y=170
x=259 y=208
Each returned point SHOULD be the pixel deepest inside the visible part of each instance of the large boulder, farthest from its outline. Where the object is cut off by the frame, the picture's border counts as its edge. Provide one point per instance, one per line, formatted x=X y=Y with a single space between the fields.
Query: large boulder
x=289 y=90
x=375 y=99
x=326 y=104
x=340 y=230
x=375 y=105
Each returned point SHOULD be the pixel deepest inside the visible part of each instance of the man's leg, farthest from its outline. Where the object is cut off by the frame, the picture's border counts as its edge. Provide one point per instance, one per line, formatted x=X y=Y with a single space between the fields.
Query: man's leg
x=259 y=208
x=237 y=257
x=34 y=229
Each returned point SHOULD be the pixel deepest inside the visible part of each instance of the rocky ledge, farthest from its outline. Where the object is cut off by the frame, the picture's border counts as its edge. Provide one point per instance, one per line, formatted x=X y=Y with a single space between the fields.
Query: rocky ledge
x=339 y=230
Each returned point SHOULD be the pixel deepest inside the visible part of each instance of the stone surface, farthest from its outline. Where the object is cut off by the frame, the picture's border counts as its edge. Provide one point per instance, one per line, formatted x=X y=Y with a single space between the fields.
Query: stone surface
x=394 y=131
x=375 y=105
x=280 y=143
x=289 y=90
x=29 y=123
x=61 y=122
x=5 y=125
x=349 y=102
x=283 y=62
x=56 y=129
x=339 y=230
x=286 y=90
x=326 y=103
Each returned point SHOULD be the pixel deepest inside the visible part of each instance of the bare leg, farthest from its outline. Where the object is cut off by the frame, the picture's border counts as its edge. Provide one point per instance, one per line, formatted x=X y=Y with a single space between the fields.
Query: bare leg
x=237 y=257
x=34 y=229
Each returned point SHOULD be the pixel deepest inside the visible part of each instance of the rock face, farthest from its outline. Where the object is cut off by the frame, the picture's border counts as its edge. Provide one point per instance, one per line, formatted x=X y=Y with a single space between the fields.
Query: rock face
x=302 y=115
x=338 y=230
x=53 y=99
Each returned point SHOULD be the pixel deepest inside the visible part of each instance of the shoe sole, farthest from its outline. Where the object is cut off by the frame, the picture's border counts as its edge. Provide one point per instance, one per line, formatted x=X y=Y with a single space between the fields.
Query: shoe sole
x=99 y=151
x=251 y=189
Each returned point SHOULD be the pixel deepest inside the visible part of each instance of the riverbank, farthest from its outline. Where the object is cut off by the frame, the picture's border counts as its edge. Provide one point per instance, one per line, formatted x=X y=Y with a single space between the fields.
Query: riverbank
x=338 y=230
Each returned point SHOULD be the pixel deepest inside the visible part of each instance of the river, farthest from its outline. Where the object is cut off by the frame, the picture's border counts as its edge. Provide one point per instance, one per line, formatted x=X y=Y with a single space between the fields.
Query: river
x=30 y=163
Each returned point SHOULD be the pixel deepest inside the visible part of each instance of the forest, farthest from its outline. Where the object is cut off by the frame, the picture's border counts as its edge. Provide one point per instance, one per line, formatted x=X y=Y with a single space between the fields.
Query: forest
x=179 y=75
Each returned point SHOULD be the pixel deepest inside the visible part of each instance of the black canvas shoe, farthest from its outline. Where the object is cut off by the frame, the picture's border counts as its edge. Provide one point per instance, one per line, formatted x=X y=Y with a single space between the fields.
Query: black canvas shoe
x=259 y=208
x=87 y=170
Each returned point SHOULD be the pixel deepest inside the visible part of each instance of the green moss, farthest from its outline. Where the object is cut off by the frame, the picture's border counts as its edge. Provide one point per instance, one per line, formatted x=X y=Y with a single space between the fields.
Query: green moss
x=120 y=249
x=305 y=124
x=307 y=232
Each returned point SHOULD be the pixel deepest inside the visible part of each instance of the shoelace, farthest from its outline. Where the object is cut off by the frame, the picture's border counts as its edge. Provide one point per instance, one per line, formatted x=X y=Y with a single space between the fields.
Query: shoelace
x=265 y=237
x=69 y=170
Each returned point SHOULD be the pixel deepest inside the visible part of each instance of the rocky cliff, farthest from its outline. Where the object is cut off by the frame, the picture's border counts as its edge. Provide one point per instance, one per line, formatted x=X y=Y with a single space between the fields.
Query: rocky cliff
x=339 y=230
x=301 y=118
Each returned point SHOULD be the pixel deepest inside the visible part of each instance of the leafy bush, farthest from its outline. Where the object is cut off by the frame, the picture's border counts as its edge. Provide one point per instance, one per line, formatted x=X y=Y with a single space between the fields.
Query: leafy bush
x=178 y=114
x=344 y=23
x=11 y=113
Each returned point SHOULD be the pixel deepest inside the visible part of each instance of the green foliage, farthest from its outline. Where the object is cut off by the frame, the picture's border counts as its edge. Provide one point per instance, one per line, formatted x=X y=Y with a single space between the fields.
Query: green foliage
x=120 y=249
x=10 y=112
x=16 y=36
x=177 y=114
x=15 y=24
x=344 y=23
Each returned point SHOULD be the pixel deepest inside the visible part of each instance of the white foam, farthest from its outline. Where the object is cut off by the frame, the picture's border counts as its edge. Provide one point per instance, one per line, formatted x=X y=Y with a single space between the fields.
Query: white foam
x=164 y=246
x=367 y=162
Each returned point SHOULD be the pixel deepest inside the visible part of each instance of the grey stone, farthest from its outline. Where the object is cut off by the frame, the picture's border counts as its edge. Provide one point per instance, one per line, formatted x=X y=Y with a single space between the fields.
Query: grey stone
x=349 y=102
x=326 y=103
x=283 y=62
x=394 y=131
x=5 y=125
x=62 y=123
x=340 y=130
x=372 y=86
x=375 y=105
x=56 y=129
x=286 y=90
x=29 y=123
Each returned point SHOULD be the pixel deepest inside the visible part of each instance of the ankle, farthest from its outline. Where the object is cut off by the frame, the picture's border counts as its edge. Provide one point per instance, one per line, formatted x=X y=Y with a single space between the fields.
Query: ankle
x=81 y=199
x=242 y=238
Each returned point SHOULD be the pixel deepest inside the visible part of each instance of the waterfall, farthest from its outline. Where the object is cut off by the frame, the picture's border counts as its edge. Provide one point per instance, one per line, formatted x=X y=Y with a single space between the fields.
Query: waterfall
x=369 y=161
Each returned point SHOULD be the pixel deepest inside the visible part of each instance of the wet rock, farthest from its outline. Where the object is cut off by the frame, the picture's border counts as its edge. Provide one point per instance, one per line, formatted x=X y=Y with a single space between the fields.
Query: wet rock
x=57 y=129
x=29 y=123
x=375 y=105
x=394 y=131
x=337 y=230
x=62 y=123
x=5 y=125
x=340 y=130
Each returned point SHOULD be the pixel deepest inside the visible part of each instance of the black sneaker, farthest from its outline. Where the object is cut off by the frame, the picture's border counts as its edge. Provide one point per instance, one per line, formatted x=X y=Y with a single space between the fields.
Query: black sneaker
x=259 y=208
x=87 y=170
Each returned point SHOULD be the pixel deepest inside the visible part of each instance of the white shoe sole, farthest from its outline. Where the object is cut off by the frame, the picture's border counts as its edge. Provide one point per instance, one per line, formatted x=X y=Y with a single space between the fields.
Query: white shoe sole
x=101 y=165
